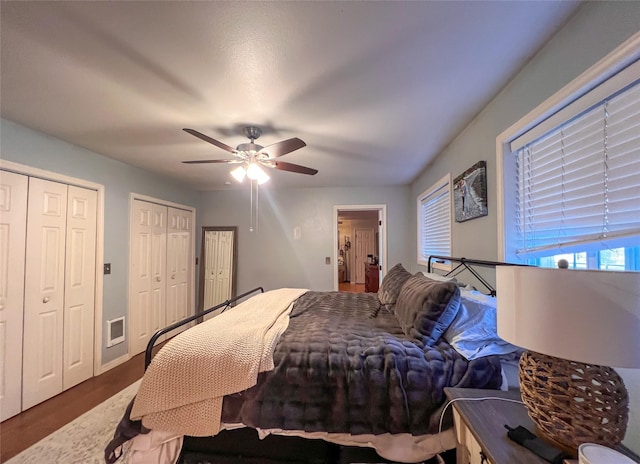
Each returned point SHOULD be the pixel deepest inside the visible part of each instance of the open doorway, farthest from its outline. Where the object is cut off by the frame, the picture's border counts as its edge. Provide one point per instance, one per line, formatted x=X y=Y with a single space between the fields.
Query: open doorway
x=359 y=241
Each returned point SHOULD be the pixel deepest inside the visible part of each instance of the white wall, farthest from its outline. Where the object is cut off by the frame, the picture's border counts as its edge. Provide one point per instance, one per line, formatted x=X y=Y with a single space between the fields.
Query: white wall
x=31 y=148
x=595 y=30
x=270 y=257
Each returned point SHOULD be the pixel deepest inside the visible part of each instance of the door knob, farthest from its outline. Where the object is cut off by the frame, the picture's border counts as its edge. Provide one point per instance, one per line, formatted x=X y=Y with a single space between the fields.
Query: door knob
x=158 y=279
x=45 y=299
x=173 y=276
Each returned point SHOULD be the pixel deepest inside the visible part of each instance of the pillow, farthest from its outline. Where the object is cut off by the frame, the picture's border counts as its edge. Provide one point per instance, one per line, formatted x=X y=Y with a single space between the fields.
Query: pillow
x=391 y=285
x=426 y=307
x=439 y=277
x=473 y=332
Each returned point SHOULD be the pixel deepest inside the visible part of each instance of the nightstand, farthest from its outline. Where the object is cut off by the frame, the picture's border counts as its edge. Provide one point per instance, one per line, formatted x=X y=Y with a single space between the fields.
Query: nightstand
x=480 y=432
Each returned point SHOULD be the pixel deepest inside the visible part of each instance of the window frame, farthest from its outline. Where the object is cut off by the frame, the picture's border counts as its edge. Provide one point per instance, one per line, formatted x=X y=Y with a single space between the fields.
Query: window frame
x=444 y=182
x=624 y=55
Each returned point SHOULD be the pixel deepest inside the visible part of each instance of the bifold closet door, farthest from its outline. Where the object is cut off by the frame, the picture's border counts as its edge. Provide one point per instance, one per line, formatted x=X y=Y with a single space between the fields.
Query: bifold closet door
x=218 y=267
x=13 y=227
x=44 y=291
x=179 y=232
x=148 y=268
x=79 y=299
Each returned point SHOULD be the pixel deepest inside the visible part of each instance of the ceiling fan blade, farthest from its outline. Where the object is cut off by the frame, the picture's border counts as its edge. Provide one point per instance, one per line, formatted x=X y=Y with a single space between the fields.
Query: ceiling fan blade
x=212 y=161
x=294 y=168
x=284 y=147
x=215 y=142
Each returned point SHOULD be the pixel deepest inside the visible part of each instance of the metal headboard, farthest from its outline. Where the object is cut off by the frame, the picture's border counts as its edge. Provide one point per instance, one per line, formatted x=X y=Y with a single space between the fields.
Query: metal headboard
x=466 y=264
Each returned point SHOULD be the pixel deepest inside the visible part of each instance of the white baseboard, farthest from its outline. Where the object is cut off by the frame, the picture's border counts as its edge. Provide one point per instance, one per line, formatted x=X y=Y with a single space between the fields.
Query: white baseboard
x=111 y=364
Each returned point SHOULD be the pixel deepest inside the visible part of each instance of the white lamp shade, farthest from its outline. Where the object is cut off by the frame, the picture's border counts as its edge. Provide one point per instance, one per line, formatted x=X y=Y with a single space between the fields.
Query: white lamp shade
x=587 y=316
x=255 y=172
x=239 y=173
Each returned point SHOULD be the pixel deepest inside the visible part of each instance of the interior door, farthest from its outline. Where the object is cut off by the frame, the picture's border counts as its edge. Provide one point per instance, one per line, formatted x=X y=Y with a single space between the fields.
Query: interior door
x=180 y=224
x=79 y=300
x=364 y=244
x=44 y=291
x=218 y=266
x=13 y=228
x=147 y=273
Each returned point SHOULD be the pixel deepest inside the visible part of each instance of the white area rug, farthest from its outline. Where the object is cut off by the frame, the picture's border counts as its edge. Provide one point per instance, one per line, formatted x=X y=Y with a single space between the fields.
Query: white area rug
x=83 y=440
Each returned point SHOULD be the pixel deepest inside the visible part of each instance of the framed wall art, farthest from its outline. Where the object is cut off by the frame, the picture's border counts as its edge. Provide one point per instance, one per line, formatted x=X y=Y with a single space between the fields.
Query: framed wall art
x=470 y=193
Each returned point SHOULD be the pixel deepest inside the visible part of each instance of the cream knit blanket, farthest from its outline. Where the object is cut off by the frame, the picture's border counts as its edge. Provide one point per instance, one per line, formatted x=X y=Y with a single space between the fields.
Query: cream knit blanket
x=182 y=389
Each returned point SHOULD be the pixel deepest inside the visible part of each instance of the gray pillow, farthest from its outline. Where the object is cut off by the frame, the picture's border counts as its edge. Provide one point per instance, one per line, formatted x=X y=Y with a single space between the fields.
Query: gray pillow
x=391 y=285
x=425 y=308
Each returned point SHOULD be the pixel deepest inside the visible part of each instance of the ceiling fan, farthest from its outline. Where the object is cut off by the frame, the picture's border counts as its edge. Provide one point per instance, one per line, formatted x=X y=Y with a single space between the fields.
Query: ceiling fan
x=252 y=156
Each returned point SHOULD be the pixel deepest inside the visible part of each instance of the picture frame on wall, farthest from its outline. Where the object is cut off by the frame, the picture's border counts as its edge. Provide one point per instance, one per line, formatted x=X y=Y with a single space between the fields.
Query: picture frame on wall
x=470 y=193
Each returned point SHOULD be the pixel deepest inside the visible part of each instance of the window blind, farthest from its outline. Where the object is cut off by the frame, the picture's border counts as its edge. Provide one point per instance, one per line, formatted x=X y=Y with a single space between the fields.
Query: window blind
x=435 y=217
x=580 y=182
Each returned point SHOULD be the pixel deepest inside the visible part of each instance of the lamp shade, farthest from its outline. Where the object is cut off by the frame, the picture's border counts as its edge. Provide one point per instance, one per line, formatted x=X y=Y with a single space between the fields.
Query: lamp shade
x=586 y=316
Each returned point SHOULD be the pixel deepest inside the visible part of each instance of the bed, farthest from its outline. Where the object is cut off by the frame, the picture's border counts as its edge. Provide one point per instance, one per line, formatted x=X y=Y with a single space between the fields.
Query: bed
x=353 y=369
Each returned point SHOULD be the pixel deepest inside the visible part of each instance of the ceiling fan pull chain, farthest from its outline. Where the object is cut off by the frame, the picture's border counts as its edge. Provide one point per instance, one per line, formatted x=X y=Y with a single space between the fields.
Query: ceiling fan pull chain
x=257 y=204
x=251 y=205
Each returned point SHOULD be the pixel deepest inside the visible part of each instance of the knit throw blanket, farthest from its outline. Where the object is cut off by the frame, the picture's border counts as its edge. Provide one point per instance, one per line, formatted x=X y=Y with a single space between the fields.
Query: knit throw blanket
x=183 y=388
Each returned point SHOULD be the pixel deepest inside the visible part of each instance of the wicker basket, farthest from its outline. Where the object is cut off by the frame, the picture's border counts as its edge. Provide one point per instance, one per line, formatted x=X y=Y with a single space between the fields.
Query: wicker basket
x=573 y=403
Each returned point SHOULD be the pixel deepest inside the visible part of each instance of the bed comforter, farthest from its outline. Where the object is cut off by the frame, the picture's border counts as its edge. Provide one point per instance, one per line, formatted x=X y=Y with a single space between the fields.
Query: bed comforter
x=344 y=365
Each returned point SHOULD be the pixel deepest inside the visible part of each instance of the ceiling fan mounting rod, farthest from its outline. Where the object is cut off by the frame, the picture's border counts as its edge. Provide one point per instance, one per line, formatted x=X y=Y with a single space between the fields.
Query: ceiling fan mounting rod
x=252 y=132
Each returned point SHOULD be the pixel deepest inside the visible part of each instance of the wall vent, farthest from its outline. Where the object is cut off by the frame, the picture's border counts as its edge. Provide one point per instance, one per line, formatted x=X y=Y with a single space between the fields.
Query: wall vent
x=115 y=331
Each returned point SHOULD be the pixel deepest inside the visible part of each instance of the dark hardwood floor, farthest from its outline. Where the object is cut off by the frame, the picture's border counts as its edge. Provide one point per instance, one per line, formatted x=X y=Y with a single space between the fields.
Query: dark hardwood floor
x=19 y=432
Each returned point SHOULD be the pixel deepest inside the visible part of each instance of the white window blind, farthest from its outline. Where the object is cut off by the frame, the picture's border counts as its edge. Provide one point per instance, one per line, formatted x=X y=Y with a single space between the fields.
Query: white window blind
x=579 y=183
x=434 y=221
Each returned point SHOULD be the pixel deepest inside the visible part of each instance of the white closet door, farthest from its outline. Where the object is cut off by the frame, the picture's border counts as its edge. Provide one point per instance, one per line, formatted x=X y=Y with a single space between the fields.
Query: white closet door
x=44 y=291
x=218 y=268
x=147 y=274
x=179 y=232
x=13 y=227
x=79 y=285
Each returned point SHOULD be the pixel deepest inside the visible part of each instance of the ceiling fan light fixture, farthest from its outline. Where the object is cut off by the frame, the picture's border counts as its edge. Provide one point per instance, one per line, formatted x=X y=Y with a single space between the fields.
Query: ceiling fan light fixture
x=239 y=173
x=255 y=172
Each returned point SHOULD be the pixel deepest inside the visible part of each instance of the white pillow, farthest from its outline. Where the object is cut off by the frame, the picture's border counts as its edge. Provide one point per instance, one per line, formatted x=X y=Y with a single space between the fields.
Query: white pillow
x=473 y=332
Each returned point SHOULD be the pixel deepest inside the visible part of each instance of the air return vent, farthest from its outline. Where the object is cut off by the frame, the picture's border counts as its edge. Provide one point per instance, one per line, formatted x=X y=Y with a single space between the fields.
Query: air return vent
x=115 y=331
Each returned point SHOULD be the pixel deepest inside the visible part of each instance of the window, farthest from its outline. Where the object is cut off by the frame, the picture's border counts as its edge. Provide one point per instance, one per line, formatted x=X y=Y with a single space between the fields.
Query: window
x=571 y=183
x=434 y=221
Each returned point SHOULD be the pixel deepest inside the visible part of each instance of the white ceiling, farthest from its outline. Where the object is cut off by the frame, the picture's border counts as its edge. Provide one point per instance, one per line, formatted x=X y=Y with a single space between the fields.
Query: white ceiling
x=375 y=89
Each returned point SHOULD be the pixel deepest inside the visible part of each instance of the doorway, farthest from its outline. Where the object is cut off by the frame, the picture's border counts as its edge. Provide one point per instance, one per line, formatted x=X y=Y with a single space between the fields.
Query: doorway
x=360 y=231
x=218 y=269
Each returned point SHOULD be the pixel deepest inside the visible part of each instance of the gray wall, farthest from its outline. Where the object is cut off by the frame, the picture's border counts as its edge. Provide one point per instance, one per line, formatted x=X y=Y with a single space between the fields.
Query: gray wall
x=31 y=148
x=595 y=30
x=271 y=258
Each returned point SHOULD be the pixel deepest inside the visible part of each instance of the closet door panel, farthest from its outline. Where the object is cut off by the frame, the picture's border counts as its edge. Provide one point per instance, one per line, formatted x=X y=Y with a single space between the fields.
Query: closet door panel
x=13 y=229
x=79 y=286
x=44 y=291
x=218 y=268
x=140 y=276
x=178 y=267
x=159 y=268
x=147 y=299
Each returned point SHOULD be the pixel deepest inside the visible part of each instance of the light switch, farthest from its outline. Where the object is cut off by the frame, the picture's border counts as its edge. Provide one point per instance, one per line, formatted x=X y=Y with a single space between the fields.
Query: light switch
x=107 y=268
x=327 y=260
